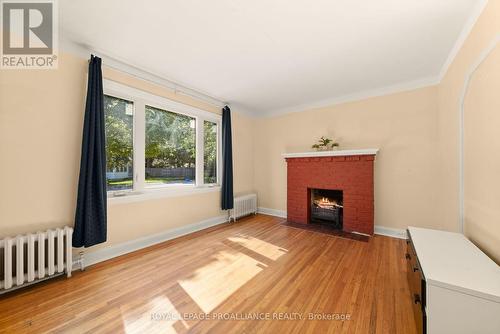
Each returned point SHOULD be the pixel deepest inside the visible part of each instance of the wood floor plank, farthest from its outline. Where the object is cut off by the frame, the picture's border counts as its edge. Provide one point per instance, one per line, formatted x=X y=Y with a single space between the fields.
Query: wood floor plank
x=256 y=266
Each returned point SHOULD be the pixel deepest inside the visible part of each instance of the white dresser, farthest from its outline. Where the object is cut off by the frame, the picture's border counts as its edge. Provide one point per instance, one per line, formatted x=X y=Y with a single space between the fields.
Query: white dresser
x=455 y=287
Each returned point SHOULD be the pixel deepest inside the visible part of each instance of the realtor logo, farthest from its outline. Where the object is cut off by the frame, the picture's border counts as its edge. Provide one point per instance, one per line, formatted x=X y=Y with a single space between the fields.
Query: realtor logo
x=29 y=38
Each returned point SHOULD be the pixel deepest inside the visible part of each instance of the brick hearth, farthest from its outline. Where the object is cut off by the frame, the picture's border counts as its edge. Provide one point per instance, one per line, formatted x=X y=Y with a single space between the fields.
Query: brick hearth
x=353 y=174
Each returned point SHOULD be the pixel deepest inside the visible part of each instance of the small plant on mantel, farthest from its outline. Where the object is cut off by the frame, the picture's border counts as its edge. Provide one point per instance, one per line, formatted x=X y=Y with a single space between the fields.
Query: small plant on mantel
x=325 y=144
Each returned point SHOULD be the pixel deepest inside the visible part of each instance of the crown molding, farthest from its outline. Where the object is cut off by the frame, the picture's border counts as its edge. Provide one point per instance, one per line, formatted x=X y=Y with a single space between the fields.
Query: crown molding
x=398 y=88
x=362 y=95
x=466 y=30
x=69 y=45
x=81 y=49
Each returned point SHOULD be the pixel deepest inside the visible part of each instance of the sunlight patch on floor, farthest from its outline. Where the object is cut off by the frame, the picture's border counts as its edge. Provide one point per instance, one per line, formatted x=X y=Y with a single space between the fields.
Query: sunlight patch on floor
x=210 y=285
x=158 y=316
x=261 y=247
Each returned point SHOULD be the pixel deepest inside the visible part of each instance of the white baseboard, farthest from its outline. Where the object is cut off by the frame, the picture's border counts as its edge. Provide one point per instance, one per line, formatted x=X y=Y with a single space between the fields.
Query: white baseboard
x=150 y=240
x=272 y=212
x=136 y=244
x=380 y=230
x=390 y=232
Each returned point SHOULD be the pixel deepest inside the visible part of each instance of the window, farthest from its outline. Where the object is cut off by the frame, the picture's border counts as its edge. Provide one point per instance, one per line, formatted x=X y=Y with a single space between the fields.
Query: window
x=153 y=143
x=119 y=115
x=170 y=147
x=210 y=152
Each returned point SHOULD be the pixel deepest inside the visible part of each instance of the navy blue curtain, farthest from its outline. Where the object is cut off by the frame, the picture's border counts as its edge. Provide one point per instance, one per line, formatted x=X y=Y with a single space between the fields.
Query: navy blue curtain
x=227 y=200
x=91 y=213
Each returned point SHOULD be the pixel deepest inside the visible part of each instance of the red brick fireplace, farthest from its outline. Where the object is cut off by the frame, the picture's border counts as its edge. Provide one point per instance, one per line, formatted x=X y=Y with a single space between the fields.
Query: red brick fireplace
x=349 y=172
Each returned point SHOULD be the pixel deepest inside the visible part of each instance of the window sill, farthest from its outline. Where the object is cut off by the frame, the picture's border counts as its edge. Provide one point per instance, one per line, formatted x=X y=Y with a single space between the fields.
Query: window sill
x=160 y=192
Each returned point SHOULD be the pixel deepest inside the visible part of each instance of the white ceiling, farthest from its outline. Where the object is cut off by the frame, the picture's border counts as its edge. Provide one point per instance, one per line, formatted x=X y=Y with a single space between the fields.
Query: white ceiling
x=271 y=56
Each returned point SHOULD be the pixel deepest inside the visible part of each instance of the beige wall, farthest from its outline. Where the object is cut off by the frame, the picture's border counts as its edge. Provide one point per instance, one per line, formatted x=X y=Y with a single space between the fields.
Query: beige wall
x=483 y=231
x=417 y=169
x=402 y=126
x=482 y=156
x=41 y=114
x=41 y=117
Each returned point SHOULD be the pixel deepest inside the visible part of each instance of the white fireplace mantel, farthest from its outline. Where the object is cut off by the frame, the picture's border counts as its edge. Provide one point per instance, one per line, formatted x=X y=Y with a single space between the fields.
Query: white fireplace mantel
x=334 y=153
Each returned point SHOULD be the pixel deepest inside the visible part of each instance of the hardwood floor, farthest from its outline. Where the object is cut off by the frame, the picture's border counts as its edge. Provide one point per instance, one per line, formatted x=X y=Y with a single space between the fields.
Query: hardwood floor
x=256 y=268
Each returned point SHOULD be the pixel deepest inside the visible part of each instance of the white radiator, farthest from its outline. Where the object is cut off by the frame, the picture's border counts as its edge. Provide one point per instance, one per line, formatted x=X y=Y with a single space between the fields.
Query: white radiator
x=243 y=206
x=34 y=257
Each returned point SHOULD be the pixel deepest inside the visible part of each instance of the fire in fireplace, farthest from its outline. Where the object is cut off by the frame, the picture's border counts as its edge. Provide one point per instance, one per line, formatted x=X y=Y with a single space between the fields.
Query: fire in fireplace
x=327 y=207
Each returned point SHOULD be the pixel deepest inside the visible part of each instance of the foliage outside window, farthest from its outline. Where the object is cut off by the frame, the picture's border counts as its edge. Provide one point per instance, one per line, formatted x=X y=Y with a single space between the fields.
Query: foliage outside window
x=210 y=153
x=170 y=147
x=119 y=143
x=152 y=142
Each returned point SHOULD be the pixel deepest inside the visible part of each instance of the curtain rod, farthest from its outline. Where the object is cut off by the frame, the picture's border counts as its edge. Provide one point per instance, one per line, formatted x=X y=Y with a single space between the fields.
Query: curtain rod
x=83 y=49
x=145 y=75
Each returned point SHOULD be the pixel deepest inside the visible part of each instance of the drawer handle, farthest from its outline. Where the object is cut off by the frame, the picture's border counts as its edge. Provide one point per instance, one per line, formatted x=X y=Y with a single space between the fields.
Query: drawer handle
x=407 y=256
x=416 y=299
x=415 y=269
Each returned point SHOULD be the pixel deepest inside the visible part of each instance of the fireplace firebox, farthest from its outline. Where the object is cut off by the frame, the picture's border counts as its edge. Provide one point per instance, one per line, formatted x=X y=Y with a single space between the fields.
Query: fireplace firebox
x=327 y=208
x=350 y=171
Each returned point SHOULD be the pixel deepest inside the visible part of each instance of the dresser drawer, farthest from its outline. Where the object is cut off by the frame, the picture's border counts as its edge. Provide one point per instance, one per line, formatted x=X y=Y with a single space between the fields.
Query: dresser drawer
x=415 y=276
x=416 y=283
x=459 y=285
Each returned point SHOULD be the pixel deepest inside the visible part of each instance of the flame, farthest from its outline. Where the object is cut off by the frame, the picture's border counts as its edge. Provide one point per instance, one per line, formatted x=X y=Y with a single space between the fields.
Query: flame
x=326 y=203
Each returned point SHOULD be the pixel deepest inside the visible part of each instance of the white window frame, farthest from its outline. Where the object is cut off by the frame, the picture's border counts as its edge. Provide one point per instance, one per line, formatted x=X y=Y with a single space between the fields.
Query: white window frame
x=140 y=99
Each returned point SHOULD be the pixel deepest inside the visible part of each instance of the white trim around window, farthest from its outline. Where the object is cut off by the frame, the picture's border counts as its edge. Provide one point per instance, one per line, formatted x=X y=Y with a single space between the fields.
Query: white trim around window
x=140 y=99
